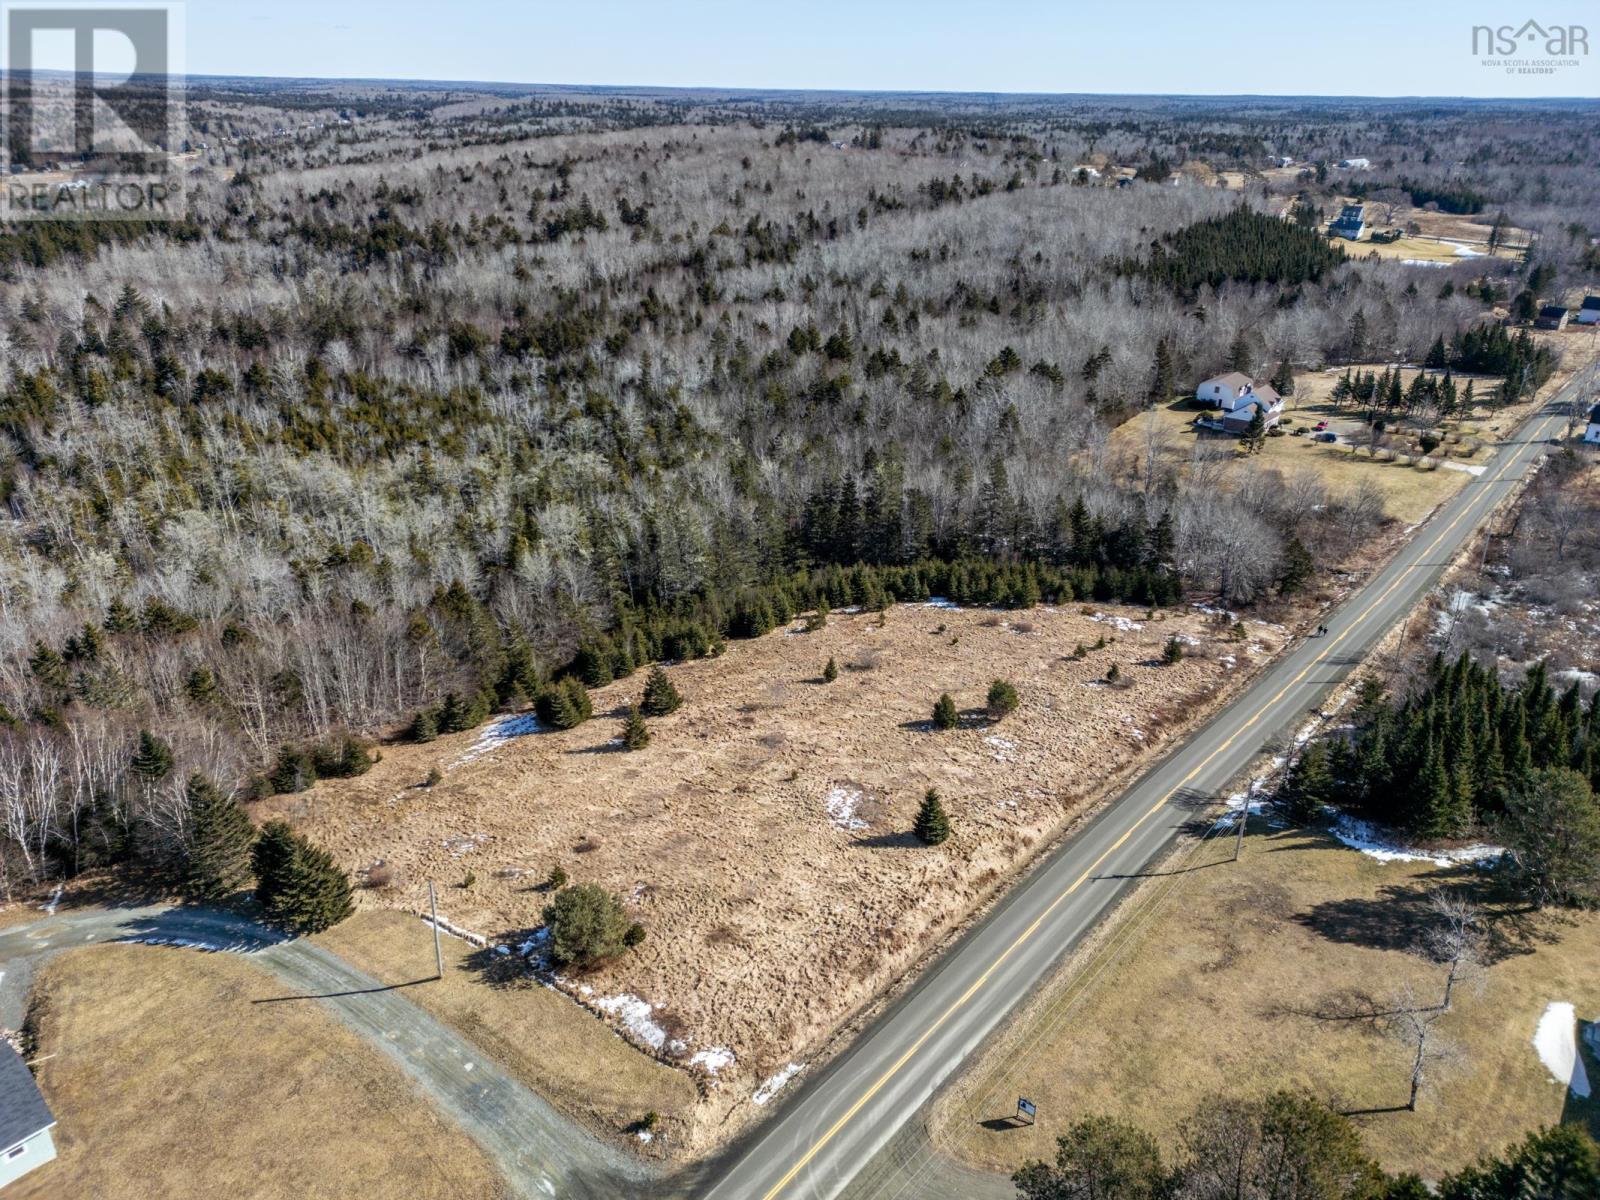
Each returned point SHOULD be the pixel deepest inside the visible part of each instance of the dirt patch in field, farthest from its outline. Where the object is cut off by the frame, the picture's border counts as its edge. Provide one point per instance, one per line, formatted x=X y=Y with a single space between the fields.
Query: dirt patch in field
x=763 y=838
x=168 y=1081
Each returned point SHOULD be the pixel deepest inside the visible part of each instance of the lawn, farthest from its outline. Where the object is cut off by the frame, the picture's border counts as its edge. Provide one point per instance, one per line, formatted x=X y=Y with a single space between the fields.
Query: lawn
x=1240 y=978
x=553 y=1045
x=167 y=1080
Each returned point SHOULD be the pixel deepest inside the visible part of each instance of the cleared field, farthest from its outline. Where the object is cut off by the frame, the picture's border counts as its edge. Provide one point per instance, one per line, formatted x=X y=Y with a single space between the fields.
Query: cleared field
x=1241 y=978
x=557 y=1048
x=763 y=837
x=168 y=1081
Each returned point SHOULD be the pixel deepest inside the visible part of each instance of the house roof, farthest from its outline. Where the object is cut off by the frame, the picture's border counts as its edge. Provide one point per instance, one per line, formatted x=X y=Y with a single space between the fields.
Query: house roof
x=1233 y=380
x=23 y=1111
x=1553 y=312
x=1594 y=416
x=1591 y=303
x=1266 y=394
x=1351 y=214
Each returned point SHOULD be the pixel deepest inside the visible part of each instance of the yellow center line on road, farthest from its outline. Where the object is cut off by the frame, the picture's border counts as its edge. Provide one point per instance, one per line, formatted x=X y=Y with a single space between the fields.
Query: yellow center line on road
x=1026 y=934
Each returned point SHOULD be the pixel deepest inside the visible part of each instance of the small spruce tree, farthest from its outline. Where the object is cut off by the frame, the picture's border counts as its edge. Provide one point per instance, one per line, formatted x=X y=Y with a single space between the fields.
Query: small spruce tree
x=831 y=671
x=1003 y=699
x=932 y=826
x=1172 y=652
x=944 y=713
x=299 y=884
x=1113 y=673
x=660 y=697
x=424 y=727
x=152 y=758
x=635 y=733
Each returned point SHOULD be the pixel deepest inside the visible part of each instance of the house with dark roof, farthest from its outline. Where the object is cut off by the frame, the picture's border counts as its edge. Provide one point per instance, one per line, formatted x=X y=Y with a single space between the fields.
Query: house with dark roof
x=1350 y=223
x=1552 y=316
x=1592 y=434
x=25 y=1120
x=1589 y=314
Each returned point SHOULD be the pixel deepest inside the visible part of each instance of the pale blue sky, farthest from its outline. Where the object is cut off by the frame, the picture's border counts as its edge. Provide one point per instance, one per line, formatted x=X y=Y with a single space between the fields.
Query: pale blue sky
x=1352 y=47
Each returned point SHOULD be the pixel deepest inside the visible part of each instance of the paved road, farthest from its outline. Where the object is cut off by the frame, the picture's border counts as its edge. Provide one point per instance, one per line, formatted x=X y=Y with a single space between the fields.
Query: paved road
x=834 y=1127
x=539 y=1152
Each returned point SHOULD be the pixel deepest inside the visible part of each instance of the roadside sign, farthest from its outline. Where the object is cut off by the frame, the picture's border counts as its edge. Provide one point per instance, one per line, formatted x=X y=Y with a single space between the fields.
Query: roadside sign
x=1027 y=1110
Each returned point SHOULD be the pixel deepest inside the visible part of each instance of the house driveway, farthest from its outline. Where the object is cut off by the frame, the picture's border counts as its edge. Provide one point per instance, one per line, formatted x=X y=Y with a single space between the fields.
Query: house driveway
x=539 y=1152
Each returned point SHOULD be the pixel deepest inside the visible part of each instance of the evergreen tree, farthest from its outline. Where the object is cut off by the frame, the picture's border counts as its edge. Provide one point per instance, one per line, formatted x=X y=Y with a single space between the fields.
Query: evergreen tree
x=1255 y=434
x=454 y=716
x=1003 y=699
x=945 y=715
x=1310 y=785
x=830 y=671
x=1172 y=652
x=932 y=825
x=299 y=885
x=269 y=861
x=660 y=697
x=635 y=733
x=1162 y=383
x=1283 y=379
x=217 y=844
x=587 y=926
x=152 y=759
x=424 y=727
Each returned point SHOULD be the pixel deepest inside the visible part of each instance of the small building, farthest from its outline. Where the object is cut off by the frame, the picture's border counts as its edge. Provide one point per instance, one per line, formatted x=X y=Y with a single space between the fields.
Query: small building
x=1240 y=398
x=1351 y=222
x=1283 y=160
x=25 y=1120
x=1552 y=316
x=1592 y=434
x=1354 y=164
x=1589 y=314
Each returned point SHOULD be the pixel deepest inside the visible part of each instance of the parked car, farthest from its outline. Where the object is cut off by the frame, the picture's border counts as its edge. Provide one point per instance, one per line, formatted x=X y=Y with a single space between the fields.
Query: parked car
x=1327 y=437
x=1320 y=426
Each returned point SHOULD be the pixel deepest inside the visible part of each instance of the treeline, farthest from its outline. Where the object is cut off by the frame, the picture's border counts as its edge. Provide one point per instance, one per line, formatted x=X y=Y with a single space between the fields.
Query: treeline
x=1244 y=245
x=1451 y=196
x=1447 y=760
x=1289 y=1145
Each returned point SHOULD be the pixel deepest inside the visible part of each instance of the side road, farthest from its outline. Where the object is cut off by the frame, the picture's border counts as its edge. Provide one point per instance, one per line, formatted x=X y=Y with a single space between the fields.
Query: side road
x=538 y=1151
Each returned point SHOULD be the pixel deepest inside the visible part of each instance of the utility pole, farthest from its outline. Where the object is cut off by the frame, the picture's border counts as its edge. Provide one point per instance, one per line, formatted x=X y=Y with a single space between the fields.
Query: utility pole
x=438 y=952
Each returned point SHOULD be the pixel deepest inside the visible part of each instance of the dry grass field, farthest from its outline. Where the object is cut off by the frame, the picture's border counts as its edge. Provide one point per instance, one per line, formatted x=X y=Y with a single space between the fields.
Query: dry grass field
x=167 y=1081
x=560 y=1050
x=1241 y=978
x=763 y=837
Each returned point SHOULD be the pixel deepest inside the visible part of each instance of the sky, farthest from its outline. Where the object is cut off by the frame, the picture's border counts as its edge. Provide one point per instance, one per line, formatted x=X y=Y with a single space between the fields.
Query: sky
x=1353 y=47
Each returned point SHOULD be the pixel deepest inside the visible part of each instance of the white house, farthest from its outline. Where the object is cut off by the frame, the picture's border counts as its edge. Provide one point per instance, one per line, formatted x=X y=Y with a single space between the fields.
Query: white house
x=1350 y=223
x=1354 y=164
x=1239 y=397
x=1589 y=314
x=25 y=1120
x=1592 y=434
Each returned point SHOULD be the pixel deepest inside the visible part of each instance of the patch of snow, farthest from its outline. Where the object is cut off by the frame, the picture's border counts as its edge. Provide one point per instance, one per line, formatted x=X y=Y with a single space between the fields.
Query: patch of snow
x=455 y=931
x=498 y=733
x=645 y=1136
x=775 y=1084
x=464 y=845
x=840 y=804
x=1120 y=623
x=1556 y=1040
x=1365 y=837
x=713 y=1060
x=1228 y=661
x=1465 y=251
x=1212 y=610
x=1588 y=678
x=1424 y=262
x=940 y=602
x=1470 y=468
x=49 y=906
x=636 y=1017
x=190 y=943
x=1002 y=747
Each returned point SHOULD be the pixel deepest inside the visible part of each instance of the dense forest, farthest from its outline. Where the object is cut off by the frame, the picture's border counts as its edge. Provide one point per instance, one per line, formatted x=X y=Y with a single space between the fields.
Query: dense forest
x=434 y=398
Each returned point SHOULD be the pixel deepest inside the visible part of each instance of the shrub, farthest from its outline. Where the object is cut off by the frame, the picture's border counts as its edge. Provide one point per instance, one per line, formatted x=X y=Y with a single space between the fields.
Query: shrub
x=660 y=697
x=635 y=733
x=932 y=826
x=424 y=727
x=558 y=878
x=341 y=758
x=435 y=776
x=1003 y=699
x=944 y=713
x=830 y=672
x=1113 y=673
x=587 y=926
x=294 y=771
x=634 y=935
x=564 y=705
x=1172 y=652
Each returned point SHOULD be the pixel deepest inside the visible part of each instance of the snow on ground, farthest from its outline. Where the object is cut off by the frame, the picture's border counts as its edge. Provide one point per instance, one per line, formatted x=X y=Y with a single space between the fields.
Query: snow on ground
x=939 y=602
x=455 y=931
x=1365 y=837
x=1212 y=610
x=775 y=1084
x=497 y=733
x=49 y=906
x=1118 y=622
x=637 y=1018
x=645 y=1136
x=1587 y=678
x=465 y=844
x=1469 y=468
x=713 y=1060
x=1004 y=749
x=1425 y=262
x=840 y=804
x=1465 y=251
x=1556 y=1040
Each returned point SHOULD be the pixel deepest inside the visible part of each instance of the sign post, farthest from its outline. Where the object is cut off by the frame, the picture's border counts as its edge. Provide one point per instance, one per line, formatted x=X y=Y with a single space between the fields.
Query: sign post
x=1027 y=1112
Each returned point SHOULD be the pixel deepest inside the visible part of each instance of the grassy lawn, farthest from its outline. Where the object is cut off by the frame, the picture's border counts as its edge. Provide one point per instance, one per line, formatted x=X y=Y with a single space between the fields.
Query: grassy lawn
x=166 y=1080
x=557 y=1048
x=1242 y=978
